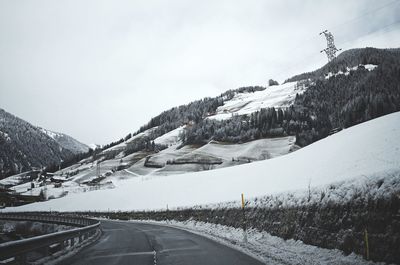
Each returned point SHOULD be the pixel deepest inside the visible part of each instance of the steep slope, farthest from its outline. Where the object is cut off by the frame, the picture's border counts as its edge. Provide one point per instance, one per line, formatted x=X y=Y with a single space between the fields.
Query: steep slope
x=24 y=146
x=366 y=151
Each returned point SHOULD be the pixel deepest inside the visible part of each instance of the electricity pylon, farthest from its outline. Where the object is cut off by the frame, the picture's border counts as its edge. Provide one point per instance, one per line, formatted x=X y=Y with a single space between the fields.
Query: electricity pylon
x=331 y=49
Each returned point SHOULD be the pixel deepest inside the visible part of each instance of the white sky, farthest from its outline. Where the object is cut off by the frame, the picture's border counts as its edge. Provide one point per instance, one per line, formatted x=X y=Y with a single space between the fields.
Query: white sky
x=98 y=70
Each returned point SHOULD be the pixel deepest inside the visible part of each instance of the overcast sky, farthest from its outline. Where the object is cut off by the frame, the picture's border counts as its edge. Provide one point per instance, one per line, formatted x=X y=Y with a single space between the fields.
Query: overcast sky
x=98 y=70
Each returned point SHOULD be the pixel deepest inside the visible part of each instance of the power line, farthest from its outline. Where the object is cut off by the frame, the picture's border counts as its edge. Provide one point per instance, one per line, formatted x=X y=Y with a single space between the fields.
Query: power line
x=384 y=29
x=284 y=73
x=334 y=27
x=364 y=14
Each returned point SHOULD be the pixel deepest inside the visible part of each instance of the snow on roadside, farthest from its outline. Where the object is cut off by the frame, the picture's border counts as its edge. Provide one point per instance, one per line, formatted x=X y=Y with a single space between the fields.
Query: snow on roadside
x=376 y=186
x=269 y=249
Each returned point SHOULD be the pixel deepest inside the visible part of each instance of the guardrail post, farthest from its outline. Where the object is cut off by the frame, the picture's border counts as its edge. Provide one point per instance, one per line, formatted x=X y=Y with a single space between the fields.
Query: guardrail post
x=72 y=243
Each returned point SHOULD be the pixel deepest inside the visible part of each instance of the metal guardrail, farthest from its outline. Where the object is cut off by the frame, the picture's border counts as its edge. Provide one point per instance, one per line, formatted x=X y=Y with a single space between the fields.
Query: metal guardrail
x=22 y=251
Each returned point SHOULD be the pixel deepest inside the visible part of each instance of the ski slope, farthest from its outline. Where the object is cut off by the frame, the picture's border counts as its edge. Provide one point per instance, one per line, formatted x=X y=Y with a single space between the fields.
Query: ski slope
x=361 y=152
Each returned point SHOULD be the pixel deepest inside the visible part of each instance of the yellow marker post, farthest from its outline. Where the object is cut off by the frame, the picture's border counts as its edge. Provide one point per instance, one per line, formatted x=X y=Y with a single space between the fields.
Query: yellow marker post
x=244 y=221
x=366 y=244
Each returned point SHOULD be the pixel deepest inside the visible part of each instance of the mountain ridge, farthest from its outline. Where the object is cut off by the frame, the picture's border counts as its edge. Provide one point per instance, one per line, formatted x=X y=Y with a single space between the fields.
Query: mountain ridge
x=350 y=58
x=67 y=141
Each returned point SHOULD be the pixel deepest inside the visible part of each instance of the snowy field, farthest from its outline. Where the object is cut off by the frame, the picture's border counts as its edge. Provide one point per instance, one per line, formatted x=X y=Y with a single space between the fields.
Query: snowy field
x=14 y=180
x=245 y=103
x=366 y=151
x=224 y=153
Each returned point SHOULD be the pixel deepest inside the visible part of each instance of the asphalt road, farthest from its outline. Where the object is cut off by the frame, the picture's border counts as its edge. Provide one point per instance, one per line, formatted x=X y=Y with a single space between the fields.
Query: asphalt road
x=139 y=243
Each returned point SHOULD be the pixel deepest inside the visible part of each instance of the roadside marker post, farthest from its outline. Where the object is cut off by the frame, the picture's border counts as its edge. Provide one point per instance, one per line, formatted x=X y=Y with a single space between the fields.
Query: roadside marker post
x=244 y=220
x=366 y=244
x=167 y=214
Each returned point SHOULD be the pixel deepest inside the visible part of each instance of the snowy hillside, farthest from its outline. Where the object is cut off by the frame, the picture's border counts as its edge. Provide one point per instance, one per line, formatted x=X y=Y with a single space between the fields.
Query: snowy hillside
x=360 y=85
x=278 y=96
x=374 y=152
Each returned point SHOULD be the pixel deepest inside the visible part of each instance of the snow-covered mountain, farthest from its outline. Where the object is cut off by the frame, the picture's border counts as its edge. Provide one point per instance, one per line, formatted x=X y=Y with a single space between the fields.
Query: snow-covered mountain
x=67 y=142
x=256 y=123
x=24 y=146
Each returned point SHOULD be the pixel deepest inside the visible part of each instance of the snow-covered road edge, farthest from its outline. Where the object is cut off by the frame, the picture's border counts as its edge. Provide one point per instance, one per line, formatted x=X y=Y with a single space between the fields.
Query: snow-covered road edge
x=265 y=247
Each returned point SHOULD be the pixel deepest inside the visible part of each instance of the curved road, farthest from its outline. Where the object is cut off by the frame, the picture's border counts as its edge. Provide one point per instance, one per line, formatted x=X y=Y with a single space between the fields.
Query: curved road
x=140 y=243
